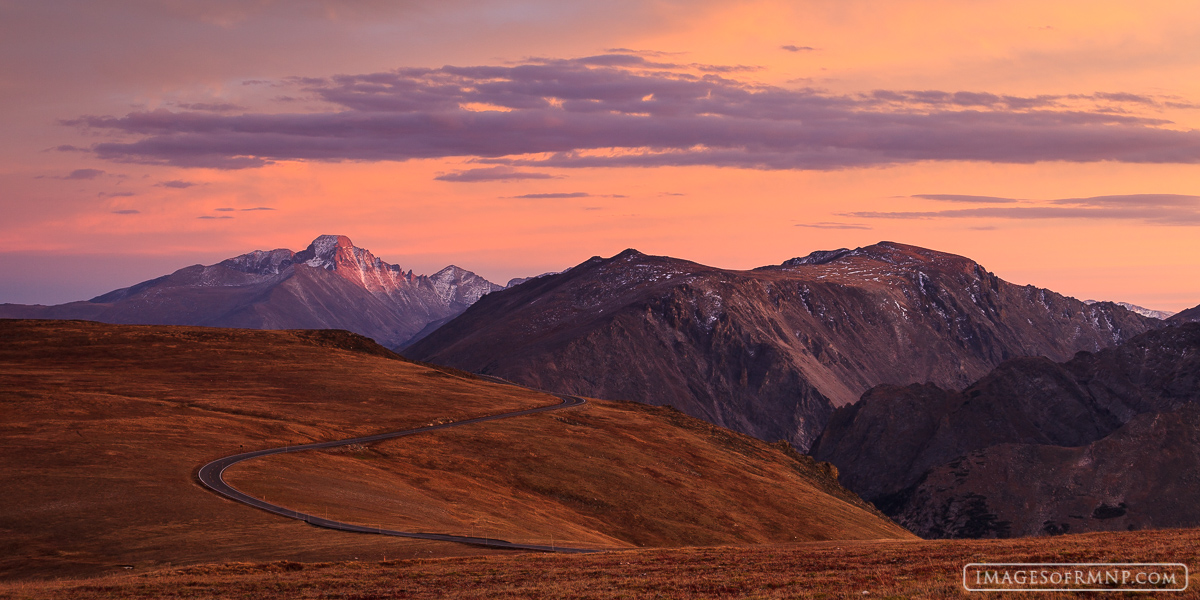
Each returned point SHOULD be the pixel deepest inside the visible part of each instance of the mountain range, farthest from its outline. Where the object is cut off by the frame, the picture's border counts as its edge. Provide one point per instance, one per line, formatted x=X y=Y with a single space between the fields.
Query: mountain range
x=331 y=284
x=772 y=351
x=1105 y=441
x=856 y=355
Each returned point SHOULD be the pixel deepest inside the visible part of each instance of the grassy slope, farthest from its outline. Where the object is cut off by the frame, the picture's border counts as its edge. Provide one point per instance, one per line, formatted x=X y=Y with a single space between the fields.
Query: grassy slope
x=103 y=426
x=891 y=570
x=607 y=474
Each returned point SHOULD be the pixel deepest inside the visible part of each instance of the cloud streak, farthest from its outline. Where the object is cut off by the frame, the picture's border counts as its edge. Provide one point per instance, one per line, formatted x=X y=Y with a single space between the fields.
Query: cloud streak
x=1156 y=209
x=177 y=184
x=617 y=110
x=966 y=198
x=552 y=195
x=832 y=225
x=83 y=174
x=498 y=173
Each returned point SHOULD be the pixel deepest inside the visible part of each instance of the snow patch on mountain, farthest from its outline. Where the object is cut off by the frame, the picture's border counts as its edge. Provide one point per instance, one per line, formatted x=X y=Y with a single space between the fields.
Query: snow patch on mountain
x=1145 y=312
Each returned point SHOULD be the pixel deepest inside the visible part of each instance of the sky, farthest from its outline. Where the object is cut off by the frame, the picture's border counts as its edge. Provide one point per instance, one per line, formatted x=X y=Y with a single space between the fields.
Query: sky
x=1056 y=143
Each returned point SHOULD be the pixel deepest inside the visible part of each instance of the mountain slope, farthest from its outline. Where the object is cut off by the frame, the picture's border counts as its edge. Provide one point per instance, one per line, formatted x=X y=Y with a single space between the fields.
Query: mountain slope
x=1190 y=315
x=330 y=284
x=104 y=426
x=1141 y=476
x=1021 y=450
x=768 y=352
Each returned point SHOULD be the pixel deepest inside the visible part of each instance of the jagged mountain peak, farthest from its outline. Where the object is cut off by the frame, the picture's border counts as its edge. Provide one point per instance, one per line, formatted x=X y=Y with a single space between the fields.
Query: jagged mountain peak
x=450 y=271
x=327 y=247
x=330 y=284
x=457 y=285
x=333 y=251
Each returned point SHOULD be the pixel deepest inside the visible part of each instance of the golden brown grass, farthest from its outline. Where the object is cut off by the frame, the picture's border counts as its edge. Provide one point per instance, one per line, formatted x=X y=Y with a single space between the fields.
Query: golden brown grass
x=893 y=570
x=103 y=427
x=604 y=475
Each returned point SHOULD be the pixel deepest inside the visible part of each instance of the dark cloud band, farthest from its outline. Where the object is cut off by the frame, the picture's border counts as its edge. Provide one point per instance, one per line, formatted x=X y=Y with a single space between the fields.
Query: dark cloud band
x=630 y=110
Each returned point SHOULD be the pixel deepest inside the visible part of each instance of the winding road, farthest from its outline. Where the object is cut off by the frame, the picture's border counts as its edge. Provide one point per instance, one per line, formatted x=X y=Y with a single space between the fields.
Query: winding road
x=211 y=476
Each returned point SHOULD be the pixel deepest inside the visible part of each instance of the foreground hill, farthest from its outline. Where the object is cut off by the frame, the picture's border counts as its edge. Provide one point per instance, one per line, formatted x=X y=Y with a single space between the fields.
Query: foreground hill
x=768 y=352
x=332 y=284
x=1105 y=441
x=918 y=569
x=104 y=427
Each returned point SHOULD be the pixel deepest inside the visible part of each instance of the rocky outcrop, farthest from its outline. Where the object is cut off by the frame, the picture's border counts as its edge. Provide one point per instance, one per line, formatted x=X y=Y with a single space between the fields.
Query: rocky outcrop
x=768 y=352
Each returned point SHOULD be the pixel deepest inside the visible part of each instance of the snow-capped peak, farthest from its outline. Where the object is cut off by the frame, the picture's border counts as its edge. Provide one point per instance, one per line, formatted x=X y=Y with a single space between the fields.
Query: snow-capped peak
x=1145 y=312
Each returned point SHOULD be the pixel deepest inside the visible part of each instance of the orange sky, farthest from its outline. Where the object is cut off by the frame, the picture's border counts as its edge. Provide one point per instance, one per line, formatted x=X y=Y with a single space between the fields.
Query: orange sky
x=1115 y=164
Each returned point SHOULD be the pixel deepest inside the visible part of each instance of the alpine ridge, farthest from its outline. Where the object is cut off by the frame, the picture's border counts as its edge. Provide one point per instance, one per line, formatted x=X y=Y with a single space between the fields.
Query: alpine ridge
x=331 y=284
x=1190 y=315
x=772 y=351
x=1105 y=441
x=1141 y=310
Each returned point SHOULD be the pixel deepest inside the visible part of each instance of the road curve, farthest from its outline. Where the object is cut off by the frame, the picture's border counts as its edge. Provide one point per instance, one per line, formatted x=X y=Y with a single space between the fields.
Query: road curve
x=211 y=476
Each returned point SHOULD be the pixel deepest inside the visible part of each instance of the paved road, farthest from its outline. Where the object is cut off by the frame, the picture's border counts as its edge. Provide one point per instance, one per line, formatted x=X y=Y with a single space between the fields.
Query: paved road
x=211 y=475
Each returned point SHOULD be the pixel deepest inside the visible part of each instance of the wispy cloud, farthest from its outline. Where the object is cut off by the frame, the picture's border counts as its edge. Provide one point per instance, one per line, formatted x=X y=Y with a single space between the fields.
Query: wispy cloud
x=624 y=109
x=83 y=174
x=67 y=148
x=965 y=198
x=1159 y=209
x=126 y=211
x=832 y=225
x=219 y=107
x=794 y=48
x=497 y=173
x=258 y=208
x=178 y=184
x=555 y=195
x=212 y=217
x=568 y=195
